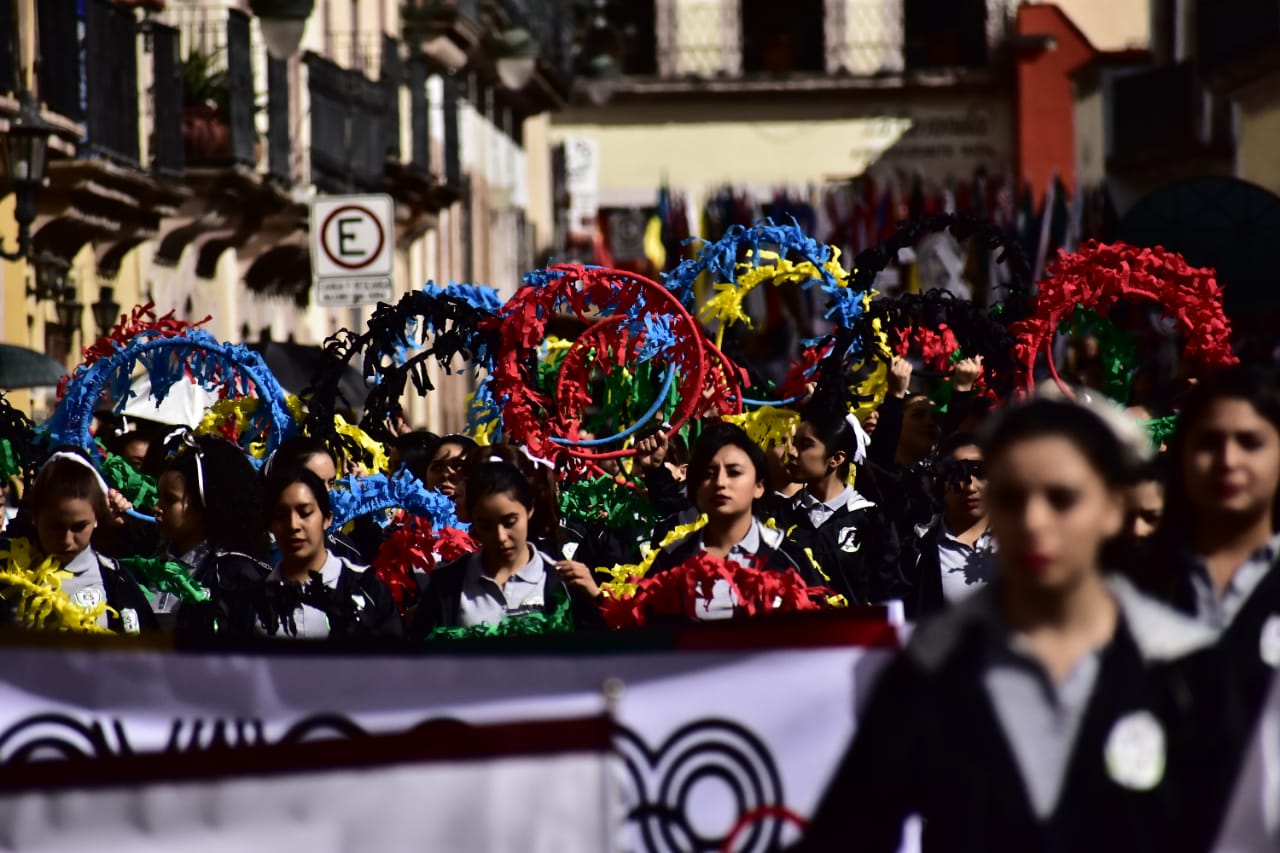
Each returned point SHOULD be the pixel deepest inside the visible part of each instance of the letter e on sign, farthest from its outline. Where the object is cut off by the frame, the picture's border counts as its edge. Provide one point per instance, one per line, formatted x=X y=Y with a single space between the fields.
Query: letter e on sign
x=352 y=236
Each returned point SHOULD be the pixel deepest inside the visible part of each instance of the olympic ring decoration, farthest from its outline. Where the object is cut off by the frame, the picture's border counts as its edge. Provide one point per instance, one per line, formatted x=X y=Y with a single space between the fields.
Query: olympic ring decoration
x=641 y=322
x=1099 y=276
x=232 y=369
x=354 y=497
x=458 y=318
x=658 y=784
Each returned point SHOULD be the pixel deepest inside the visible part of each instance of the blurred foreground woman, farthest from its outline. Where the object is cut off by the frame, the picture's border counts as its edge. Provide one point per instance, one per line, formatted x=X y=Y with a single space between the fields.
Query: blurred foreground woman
x=1055 y=709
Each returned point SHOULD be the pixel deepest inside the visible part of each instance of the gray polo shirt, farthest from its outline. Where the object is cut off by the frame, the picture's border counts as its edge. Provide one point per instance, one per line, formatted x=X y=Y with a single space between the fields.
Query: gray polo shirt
x=1219 y=612
x=819 y=511
x=965 y=569
x=85 y=587
x=485 y=602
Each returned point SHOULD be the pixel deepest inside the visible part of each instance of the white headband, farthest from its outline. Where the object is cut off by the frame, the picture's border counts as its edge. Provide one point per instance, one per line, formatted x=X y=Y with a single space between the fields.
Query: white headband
x=864 y=440
x=80 y=460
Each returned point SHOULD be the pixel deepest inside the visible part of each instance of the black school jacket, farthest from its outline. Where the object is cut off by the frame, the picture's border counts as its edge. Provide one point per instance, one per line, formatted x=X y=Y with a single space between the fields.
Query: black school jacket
x=359 y=605
x=857 y=548
x=234 y=581
x=931 y=744
x=442 y=602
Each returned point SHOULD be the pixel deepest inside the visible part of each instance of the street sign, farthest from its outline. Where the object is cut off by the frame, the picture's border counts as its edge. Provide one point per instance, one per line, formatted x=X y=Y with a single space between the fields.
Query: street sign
x=352 y=249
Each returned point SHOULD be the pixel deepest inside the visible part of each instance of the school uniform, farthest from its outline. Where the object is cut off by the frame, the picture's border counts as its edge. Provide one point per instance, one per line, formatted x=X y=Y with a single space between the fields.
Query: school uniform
x=94 y=578
x=852 y=541
x=234 y=581
x=967 y=731
x=763 y=547
x=342 y=600
x=948 y=571
x=461 y=595
x=1247 y=614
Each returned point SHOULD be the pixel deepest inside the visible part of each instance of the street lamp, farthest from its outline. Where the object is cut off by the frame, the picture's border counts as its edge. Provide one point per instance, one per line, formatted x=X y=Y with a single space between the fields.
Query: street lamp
x=26 y=147
x=106 y=311
x=283 y=23
x=517 y=58
x=69 y=310
x=50 y=277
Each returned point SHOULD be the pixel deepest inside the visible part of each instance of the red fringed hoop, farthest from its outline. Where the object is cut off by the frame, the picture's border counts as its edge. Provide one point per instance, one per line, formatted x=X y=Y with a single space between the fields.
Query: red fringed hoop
x=1099 y=276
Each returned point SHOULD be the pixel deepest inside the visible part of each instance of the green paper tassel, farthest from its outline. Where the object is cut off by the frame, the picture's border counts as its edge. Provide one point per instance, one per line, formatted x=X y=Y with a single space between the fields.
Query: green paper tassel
x=560 y=621
x=161 y=575
x=137 y=488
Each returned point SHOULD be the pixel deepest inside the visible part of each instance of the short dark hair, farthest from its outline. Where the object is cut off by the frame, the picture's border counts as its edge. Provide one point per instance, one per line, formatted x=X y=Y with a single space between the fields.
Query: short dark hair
x=954 y=442
x=715 y=437
x=298 y=449
x=542 y=480
x=1045 y=418
x=282 y=478
x=498 y=478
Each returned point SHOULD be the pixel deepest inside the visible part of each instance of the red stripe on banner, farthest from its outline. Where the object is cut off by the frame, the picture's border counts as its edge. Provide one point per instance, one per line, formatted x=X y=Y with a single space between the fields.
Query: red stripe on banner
x=856 y=626
x=435 y=741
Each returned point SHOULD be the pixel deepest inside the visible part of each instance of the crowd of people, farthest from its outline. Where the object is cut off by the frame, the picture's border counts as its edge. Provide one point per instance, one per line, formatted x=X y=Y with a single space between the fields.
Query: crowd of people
x=1096 y=612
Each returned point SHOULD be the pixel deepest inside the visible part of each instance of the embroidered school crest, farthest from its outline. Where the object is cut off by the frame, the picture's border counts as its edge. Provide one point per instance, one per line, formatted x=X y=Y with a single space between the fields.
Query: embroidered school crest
x=848 y=540
x=89 y=597
x=129 y=620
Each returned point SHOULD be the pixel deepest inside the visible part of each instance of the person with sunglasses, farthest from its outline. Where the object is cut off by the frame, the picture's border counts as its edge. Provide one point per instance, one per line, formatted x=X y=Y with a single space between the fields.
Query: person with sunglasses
x=955 y=551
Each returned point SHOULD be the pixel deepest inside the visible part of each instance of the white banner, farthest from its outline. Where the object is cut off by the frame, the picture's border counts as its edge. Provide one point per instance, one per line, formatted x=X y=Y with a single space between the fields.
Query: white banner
x=714 y=722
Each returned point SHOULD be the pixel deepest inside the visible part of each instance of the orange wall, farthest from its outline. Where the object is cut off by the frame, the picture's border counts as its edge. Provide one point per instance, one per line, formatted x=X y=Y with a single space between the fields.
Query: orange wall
x=1046 y=103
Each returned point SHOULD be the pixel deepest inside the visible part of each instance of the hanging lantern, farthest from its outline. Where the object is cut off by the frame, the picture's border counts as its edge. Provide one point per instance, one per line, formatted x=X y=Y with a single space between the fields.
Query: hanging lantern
x=283 y=22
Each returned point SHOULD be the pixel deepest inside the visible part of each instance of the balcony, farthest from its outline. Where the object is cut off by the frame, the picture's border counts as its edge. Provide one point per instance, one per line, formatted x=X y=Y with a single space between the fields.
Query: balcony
x=1237 y=41
x=349 y=139
x=1163 y=117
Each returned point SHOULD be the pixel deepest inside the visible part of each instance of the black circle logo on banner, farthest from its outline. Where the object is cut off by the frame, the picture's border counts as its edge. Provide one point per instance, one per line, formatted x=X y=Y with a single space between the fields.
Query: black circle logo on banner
x=661 y=784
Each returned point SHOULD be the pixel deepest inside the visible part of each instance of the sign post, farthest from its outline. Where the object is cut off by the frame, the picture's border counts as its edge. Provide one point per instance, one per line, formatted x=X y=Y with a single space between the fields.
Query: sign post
x=352 y=249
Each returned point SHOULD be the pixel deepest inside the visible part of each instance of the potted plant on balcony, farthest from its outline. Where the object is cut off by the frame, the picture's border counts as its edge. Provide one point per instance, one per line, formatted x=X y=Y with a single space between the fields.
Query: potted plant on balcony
x=206 y=130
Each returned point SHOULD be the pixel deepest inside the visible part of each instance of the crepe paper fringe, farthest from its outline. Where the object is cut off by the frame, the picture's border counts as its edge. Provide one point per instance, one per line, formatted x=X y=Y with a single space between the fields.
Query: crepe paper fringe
x=1100 y=276
x=160 y=575
x=558 y=621
x=354 y=497
x=681 y=591
x=137 y=488
x=37 y=589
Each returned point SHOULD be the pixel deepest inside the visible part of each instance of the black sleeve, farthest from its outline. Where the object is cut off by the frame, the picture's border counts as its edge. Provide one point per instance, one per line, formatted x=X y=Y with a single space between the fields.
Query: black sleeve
x=957 y=410
x=884 y=441
x=666 y=495
x=235 y=584
x=877 y=784
x=439 y=605
x=885 y=577
x=124 y=593
x=381 y=618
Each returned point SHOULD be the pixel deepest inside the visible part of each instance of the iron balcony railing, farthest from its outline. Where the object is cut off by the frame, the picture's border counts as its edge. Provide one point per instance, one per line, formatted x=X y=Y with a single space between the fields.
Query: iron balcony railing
x=550 y=23
x=279 y=142
x=349 y=142
x=111 y=81
x=167 y=154
x=222 y=38
x=60 y=62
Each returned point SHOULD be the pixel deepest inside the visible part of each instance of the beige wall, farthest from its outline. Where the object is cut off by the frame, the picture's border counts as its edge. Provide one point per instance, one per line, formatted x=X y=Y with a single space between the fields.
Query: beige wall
x=1111 y=24
x=937 y=135
x=1090 y=135
x=1256 y=160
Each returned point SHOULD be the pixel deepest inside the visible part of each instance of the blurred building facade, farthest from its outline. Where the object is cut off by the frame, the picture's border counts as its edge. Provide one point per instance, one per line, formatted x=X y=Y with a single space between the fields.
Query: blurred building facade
x=827 y=105
x=187 y=157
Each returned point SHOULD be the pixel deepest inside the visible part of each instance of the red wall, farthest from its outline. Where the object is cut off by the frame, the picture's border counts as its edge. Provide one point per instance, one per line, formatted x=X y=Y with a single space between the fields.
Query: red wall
x=1046 y=126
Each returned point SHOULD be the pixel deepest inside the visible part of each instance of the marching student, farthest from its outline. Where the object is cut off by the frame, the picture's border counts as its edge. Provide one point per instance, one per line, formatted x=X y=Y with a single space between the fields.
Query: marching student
x=64 y=507
x=956 y=552
x=850 y=537
x=1217 y=547
x=508 y=577
x=313 y=593
x=1055 y=709
x=206 y=491
x=727 y=476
